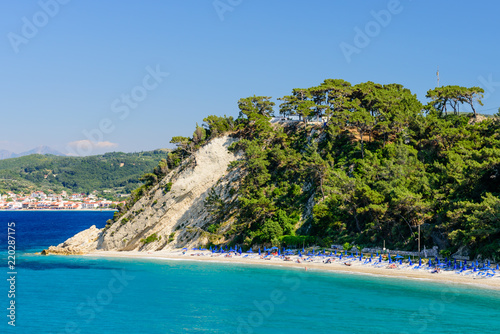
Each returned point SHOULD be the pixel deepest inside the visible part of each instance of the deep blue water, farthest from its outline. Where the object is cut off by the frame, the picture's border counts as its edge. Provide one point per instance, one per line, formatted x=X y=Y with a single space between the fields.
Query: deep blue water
x=60 y=294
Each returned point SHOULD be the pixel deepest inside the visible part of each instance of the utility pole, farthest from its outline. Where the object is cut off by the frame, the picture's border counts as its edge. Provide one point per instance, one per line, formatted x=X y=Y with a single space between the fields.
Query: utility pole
x=419 y=239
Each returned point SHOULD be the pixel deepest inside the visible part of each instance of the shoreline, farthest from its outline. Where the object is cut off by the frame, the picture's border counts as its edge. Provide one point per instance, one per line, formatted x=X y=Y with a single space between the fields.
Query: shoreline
x=445 y=277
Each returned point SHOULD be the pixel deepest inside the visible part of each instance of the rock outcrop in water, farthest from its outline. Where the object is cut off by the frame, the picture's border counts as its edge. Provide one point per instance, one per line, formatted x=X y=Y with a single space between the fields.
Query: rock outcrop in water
x=168 y=219
x=81 y=243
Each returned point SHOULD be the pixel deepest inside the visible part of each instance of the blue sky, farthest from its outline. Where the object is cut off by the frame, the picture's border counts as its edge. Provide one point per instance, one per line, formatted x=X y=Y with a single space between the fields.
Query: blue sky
x=64 y=82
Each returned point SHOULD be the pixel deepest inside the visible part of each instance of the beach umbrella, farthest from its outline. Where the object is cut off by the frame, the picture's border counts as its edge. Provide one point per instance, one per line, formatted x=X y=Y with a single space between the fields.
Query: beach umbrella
x=430 y=262
x=399 y=257
x=420 y=261
x=488 y=263
x=400 y=261
x=380 y=258
x=300 y=255
x=340 y=257
x=335 y=252
x=477 y=263
x=184 y=249
x=303 y=250
x=497 y=266
x=356 y=253
x=250 y=250
x=410 y=262
x=279 y=253
x=371 y=256
x=390 y=260
x=259 y=250
x=360 y=257
x=377 y=253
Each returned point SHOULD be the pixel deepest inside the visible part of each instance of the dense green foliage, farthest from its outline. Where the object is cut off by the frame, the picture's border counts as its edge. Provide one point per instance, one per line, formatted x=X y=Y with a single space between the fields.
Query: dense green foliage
x=377 y=165
x=363 y=164
x=151 y=238
x=111 y=171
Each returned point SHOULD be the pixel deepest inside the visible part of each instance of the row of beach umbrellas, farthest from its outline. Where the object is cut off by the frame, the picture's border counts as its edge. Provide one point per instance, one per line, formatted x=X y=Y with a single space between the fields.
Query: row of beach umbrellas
x=437 y=262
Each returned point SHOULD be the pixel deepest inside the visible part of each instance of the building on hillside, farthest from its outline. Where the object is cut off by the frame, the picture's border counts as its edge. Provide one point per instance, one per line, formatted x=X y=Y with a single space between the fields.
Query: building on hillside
x=39 y=195
x=76 y=197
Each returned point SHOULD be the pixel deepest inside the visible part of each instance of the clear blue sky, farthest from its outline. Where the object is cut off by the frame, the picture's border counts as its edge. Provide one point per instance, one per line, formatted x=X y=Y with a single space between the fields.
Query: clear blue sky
x=65 y=76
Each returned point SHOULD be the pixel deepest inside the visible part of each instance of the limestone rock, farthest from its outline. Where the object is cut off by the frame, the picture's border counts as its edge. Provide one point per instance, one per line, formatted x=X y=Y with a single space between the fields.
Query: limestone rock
x=81 y=243
x=172 y=218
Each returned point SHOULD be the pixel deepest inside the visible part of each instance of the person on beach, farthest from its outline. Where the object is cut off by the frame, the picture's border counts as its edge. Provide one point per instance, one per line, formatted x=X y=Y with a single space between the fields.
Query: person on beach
x=436 y=270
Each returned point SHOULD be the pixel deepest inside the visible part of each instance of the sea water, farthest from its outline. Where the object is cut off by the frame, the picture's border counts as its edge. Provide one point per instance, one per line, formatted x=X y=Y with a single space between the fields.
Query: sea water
x=81 y=294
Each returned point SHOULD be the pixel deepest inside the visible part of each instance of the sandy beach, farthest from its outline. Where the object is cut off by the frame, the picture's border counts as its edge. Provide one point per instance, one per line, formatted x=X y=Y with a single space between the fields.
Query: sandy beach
x=355 y=267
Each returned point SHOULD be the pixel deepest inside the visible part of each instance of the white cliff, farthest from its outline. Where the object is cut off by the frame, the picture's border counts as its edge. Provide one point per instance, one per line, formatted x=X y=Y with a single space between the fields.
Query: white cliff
x=173 y=219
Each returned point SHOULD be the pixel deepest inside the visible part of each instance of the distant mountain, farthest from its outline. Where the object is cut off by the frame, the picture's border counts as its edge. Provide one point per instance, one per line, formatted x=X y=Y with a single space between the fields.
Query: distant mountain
x=4 y=154
x=39 y=150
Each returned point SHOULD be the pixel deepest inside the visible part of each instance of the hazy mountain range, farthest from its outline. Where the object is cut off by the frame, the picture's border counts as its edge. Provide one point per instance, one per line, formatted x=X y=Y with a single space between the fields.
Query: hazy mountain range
x=4 y=154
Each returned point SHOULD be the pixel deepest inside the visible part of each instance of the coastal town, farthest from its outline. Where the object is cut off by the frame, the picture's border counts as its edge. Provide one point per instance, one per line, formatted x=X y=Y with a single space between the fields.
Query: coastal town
x=39 y=200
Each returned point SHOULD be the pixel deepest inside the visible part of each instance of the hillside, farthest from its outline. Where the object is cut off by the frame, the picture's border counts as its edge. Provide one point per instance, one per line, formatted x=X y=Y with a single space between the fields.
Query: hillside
x=116 y=172
x=365 y=164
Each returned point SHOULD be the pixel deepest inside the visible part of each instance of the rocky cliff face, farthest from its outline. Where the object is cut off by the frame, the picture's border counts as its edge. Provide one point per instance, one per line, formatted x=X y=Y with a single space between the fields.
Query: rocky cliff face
x=81 y=243
x=169 y=219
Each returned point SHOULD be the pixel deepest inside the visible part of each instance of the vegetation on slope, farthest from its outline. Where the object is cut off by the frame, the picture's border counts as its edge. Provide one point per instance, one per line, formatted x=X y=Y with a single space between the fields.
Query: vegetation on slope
x=112 y=171
x=376 y=165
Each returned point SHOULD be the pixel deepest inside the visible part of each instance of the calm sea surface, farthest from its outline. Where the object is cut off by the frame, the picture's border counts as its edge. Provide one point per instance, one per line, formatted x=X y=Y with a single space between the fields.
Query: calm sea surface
x=59 y=294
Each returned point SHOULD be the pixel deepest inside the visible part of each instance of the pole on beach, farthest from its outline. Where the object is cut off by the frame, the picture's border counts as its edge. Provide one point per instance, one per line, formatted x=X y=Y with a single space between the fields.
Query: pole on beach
x=418 y=239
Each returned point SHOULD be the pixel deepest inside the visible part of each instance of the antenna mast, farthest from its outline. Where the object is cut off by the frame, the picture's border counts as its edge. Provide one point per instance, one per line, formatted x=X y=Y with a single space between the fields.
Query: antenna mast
x=437 y=73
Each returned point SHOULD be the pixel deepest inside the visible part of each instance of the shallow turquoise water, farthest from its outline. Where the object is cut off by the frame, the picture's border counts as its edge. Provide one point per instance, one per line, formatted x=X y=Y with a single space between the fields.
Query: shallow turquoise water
x=58 y=294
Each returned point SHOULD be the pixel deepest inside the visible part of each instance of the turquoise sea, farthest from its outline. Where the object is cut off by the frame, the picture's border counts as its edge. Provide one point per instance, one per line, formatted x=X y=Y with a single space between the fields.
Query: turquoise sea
x=58 y=294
